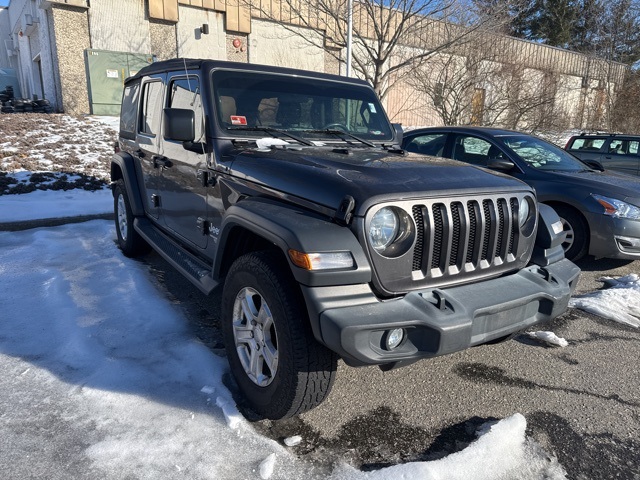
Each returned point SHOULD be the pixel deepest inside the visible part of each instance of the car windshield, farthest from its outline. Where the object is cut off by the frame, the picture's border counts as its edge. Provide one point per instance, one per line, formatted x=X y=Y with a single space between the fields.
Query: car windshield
x=538 y=154
x=248 y=103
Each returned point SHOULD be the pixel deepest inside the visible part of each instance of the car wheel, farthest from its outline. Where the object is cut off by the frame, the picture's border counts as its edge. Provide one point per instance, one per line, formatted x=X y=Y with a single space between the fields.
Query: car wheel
x=576 y=243
x=129 y=241
x=279 y=366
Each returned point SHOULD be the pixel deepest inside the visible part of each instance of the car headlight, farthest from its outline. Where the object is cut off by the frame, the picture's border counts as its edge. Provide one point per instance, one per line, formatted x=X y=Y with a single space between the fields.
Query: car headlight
x=617 y=208
x=524 y=211
x=383 y=228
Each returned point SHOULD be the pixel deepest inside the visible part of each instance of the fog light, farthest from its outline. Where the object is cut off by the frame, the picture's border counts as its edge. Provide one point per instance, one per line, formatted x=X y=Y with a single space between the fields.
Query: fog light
x=394 y=338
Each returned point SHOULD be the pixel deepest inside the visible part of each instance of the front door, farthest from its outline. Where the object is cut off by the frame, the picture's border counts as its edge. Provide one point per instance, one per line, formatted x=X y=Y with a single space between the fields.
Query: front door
x=182 y=190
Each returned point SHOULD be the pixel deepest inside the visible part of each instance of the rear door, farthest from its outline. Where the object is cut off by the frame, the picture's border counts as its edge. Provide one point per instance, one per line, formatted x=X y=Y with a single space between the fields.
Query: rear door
x=182 y=188
x=622 y=155
x=148 y=139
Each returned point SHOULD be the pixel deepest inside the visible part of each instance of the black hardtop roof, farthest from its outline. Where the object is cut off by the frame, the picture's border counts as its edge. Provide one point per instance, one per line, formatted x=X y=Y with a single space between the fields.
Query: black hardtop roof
x=177 y=64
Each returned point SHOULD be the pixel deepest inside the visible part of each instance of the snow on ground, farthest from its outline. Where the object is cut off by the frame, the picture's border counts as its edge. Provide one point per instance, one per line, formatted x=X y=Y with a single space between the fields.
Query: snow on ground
x=54 y=204
x=89 y=323
x=620 y=302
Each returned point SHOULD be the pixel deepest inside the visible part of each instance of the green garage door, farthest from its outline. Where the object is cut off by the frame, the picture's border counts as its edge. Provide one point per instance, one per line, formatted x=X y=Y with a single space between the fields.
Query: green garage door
x=106 y=72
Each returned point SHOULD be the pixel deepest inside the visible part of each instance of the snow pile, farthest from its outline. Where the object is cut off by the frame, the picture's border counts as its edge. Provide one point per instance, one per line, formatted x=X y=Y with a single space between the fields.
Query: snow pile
x=620 y=302
x=502 y=452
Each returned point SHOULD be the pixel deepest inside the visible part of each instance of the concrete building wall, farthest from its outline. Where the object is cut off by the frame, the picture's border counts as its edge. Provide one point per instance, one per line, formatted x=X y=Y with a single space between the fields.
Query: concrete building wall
x=5 y=35
x=194 y=44
x=119 y=26
x=272 y=44
x=162 y=35
x=71 y=30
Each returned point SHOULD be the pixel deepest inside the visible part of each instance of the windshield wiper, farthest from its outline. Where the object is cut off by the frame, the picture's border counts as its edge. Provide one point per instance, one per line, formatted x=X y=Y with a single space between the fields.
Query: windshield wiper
x=341 y=133
x=274 y=133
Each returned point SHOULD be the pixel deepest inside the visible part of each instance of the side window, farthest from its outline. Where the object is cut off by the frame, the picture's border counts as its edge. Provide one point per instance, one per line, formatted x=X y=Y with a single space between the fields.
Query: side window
x=151 y=108
x=617 y=147
x=129 y=109
x=633 y=147
x=185 y=93
x=430 y=144
x=589 y=144
x=473 y=150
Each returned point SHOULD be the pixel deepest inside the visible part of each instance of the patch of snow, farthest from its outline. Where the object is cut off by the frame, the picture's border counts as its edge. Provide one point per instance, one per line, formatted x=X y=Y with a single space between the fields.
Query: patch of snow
x=293 y=441
x=54 y=204
x=231 y=413
x=549 y=337
x=620 y=302
x=267 y=466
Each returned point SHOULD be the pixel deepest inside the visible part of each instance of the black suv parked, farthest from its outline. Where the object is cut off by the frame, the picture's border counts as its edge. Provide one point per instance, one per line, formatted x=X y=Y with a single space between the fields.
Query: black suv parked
x=613 y=151
x=288 y=189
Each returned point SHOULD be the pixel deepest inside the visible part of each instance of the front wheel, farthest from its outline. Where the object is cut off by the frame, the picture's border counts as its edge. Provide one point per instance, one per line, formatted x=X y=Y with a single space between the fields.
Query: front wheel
x=279 y=366
x=129 y=241
x=576 y=243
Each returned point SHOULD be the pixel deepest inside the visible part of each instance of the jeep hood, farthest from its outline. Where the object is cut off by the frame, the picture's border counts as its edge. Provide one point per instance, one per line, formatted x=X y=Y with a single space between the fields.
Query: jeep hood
x=325 y=175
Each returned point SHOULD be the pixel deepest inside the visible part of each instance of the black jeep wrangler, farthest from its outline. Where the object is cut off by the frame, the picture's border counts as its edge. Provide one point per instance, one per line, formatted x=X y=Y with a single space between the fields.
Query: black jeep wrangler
x=288 y=189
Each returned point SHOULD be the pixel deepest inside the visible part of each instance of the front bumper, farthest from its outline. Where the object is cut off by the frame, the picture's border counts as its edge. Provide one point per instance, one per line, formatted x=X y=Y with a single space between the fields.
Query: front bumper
x=354 y=323
x=613 y=237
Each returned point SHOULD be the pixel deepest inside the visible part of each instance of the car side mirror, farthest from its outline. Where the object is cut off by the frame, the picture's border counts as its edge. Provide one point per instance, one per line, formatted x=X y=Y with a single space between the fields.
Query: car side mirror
x=596 y=165
x=179 y=124
x=500 y=164
x=399 y=132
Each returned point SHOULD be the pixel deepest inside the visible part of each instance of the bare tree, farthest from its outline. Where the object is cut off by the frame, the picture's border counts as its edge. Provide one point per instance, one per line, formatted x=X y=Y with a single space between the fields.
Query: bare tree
x=477 y=85
x=390 y=38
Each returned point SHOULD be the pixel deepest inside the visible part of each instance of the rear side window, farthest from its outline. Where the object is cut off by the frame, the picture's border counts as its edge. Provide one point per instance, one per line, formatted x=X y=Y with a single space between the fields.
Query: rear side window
x=429 y=144
x=588 y=144
x=151 y=108
x=129 y=109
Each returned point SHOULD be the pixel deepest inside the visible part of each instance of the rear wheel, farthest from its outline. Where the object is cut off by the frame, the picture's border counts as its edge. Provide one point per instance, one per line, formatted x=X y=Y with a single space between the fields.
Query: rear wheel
x=129 y=241
x=576 y=243
x=279 y=366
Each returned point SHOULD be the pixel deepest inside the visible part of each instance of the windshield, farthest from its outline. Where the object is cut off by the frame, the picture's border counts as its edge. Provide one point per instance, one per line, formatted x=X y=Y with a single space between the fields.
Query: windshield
x=538 y=154
x=249 y=102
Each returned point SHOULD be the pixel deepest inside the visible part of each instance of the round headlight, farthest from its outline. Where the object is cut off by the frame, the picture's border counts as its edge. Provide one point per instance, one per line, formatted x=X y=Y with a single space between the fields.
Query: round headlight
x=383 y=228
x=523 y=212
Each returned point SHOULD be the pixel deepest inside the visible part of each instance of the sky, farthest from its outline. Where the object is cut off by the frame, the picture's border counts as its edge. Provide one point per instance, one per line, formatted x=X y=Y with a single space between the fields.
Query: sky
x=4 y=3
x=95 y=356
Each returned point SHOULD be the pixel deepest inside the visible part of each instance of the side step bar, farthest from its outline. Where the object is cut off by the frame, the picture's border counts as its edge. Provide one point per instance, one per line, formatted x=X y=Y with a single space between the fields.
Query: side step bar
x=198 y=272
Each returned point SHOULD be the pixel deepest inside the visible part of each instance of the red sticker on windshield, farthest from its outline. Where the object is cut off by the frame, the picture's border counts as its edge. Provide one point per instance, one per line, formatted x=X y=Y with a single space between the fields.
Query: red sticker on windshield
x=238 y=120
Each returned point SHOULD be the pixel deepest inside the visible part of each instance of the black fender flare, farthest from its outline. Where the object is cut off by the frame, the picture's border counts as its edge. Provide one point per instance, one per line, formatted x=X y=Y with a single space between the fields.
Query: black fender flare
x=125 y=164
x=549 y=237
x=291 y=227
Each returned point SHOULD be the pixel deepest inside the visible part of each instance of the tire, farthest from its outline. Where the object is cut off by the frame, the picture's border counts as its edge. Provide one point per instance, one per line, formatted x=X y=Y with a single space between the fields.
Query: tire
x=297 y=373
x=576 y=245
x=129 y=241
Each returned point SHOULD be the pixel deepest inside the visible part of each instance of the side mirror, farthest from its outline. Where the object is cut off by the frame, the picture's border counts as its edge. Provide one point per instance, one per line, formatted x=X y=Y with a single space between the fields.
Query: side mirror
x=179 y=124
x=500 y=164
x=398 y=132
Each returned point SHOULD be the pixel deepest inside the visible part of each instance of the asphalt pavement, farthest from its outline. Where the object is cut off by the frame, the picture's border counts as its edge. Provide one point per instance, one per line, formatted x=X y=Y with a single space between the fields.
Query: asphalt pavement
x=582 y=402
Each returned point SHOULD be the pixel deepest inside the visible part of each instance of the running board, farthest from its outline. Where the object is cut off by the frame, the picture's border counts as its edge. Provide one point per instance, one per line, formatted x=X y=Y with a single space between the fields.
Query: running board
x=194 y=269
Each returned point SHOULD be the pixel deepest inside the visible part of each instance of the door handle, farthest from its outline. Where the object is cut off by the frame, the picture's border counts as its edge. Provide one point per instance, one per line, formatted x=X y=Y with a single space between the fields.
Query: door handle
x=161 y=162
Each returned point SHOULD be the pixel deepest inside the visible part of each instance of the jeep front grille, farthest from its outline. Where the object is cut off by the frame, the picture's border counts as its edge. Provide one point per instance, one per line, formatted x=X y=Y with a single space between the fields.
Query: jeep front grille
x=463 y=236
x=457 y=239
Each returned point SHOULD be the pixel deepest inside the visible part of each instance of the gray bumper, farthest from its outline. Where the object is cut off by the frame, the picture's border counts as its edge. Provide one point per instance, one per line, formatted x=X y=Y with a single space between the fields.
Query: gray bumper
x=354 y=323
x=613 y=237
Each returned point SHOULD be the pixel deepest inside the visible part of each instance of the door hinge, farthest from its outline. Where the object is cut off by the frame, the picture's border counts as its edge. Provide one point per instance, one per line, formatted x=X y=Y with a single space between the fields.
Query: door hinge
x=202 y=225
x=205 y=178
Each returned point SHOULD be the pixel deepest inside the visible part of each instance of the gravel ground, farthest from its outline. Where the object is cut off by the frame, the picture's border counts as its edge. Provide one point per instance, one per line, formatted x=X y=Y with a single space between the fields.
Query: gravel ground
x=53 y=152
